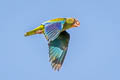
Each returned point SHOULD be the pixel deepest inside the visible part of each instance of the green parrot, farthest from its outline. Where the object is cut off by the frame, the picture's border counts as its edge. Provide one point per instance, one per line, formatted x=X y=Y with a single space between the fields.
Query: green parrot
x=57 y=37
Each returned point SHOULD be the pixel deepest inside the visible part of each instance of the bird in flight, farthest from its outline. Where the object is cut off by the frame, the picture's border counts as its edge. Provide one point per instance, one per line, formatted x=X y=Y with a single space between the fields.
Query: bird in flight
x=57 y=37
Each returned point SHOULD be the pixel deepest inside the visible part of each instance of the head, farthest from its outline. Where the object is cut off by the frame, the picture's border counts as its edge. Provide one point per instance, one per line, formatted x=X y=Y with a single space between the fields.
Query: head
x=72 y=21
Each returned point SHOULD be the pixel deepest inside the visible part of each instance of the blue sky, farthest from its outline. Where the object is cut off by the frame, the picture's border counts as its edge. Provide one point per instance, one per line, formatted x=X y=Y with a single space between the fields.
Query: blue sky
x=94 y=49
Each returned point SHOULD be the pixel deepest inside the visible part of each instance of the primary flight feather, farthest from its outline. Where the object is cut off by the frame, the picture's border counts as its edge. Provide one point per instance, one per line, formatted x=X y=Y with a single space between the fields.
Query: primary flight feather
x=57 y=37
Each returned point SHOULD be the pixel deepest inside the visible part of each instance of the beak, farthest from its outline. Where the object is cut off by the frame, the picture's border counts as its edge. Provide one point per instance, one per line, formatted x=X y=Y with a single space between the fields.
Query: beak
x=76 y=24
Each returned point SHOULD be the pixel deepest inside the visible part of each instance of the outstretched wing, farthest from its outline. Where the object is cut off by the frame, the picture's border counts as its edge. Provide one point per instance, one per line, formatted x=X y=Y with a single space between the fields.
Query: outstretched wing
x=58 y=49
x=53 y=29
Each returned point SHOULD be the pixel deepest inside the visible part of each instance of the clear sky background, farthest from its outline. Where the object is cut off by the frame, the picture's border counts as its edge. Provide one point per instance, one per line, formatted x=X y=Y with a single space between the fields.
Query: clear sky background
x=94 y=49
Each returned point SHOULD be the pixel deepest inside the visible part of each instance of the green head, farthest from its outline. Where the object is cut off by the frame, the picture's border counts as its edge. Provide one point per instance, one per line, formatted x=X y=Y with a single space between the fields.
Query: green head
x=70 y=23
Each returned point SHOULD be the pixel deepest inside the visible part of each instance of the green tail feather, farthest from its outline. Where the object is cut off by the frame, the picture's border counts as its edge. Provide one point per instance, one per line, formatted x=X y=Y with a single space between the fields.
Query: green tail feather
x=32 y=32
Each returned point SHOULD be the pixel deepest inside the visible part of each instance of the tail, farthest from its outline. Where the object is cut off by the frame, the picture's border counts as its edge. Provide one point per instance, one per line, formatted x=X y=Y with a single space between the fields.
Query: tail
x=38 y=30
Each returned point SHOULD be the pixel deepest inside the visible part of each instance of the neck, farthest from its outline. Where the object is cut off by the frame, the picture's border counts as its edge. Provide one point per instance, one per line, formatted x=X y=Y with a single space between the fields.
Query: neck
x=66 y=26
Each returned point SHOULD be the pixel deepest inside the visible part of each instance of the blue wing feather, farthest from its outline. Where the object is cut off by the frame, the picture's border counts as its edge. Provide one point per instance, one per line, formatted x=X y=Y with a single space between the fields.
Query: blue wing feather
x=52 y=31
x=58 y=49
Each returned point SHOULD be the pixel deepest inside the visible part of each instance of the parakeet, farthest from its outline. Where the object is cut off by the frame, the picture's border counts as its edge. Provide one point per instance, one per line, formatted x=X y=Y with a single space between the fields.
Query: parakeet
x=57 y=37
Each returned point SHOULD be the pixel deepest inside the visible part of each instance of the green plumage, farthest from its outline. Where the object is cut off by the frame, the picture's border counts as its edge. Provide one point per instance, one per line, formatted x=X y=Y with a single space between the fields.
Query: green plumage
x=57 y=37
x=58 y=49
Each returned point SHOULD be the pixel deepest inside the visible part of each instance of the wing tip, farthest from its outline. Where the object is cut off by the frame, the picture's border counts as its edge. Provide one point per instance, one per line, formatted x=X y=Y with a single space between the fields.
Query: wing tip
x=56 y=66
